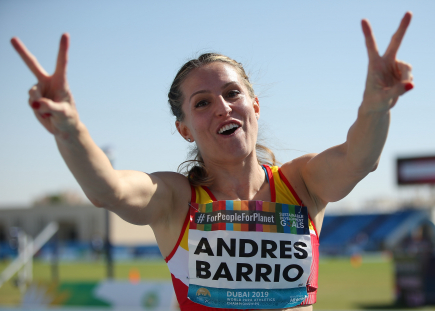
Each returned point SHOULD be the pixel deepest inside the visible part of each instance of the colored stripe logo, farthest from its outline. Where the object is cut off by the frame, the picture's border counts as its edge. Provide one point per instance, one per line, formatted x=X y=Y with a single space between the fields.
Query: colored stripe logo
x=256 y=216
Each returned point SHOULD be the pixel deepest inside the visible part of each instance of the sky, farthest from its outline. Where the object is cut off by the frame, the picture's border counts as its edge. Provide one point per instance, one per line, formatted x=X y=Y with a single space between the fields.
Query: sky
x=306 y=59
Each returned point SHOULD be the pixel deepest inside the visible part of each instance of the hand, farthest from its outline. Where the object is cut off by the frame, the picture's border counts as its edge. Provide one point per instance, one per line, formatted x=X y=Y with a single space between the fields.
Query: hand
x=387 y=78
x=51 y=98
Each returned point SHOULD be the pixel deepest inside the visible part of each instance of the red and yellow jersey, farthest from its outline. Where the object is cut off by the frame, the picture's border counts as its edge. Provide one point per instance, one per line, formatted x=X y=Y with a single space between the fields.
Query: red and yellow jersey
x=281 y=192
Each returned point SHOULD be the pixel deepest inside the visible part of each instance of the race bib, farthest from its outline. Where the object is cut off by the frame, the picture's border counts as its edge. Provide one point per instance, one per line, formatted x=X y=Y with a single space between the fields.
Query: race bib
x=248 y=254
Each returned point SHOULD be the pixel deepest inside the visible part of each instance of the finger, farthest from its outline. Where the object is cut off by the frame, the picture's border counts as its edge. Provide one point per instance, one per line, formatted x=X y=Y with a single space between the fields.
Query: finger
x=41 y=116
x=372 y=48
x=35 y=92
x=405 y=71
x=400 y=88
x=397 y=38
x=45 y=108
x=34 y=96
x=62 y=57
x=29 y=59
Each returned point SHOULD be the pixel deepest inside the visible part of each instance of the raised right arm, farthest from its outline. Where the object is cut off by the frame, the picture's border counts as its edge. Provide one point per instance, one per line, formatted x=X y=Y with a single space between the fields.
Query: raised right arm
x=137 y=197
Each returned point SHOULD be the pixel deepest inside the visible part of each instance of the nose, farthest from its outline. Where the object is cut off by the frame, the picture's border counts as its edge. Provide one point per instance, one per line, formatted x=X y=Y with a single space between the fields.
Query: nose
x=223 y=107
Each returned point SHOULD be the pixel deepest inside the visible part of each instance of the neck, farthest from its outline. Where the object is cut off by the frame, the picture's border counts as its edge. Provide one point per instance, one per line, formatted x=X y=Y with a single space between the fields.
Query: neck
x=238 y=181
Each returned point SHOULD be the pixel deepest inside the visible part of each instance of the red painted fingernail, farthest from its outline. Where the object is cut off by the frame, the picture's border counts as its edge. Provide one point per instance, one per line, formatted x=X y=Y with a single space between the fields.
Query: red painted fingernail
x=409 y=86
x=36 y=105
x=46 y=115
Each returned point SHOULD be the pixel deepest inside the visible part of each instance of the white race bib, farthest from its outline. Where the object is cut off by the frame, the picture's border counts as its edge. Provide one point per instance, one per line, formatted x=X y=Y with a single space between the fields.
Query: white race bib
x=248 y=254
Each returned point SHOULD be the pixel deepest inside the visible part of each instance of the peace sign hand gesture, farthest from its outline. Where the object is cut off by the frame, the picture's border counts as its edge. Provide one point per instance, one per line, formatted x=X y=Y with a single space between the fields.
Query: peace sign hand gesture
x=51 y=98
x=387 y=78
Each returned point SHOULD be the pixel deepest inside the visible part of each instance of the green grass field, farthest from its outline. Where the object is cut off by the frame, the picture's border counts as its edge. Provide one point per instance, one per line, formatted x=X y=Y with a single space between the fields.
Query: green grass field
x=341 y=286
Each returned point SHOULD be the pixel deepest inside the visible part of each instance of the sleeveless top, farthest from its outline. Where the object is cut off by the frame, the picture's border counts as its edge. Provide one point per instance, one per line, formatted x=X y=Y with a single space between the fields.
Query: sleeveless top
x=177 y=260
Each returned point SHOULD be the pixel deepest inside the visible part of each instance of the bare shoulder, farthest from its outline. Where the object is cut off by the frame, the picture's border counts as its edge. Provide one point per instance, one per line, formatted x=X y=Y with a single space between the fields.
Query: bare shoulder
x=151 y=198
x=298 y=163
x=174 y=186
x=168 y=226
x=153 y=188
x=173 y=179
x=296 y=173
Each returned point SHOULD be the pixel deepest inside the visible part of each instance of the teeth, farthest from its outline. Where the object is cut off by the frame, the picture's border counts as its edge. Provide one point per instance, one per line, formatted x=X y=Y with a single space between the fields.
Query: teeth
x=227 y=127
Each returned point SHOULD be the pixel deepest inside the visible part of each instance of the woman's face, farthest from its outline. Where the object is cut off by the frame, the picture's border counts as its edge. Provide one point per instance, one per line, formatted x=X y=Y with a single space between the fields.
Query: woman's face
x=220 y=115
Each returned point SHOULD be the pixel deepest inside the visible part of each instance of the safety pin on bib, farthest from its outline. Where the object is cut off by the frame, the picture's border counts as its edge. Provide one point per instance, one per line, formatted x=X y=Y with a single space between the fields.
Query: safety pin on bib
x=193 y=207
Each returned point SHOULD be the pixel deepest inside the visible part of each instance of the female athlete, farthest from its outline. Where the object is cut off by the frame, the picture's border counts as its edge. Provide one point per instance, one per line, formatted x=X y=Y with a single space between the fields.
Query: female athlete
x=236 y=233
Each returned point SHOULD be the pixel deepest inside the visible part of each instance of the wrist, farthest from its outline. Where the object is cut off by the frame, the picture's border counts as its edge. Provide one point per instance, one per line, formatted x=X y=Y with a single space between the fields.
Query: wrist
x=367 y=108
x=71 y=134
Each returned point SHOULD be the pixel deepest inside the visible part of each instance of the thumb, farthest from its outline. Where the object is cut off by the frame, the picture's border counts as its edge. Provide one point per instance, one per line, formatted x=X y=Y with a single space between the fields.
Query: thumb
x=44 y=108
x=47 y=105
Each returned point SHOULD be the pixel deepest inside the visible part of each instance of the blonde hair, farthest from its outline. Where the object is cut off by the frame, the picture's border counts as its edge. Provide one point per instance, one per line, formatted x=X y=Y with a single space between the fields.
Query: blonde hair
x=195 y=169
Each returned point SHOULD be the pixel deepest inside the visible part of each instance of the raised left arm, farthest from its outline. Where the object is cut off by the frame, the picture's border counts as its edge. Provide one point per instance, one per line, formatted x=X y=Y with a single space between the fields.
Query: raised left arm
x=329 y=176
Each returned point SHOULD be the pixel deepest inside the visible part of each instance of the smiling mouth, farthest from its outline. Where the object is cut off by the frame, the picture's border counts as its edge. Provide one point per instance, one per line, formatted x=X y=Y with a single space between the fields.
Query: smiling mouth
x=228 y=129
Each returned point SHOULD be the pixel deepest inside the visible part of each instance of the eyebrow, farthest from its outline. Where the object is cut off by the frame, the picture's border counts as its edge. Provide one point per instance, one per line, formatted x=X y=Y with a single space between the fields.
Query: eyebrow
x=207 y=91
